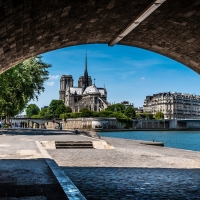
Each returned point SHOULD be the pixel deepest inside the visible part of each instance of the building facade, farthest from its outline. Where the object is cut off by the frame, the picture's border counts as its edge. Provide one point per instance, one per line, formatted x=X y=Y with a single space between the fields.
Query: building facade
x=127 y=104
x=173 y=105
x=86 y=95
x=139 y=109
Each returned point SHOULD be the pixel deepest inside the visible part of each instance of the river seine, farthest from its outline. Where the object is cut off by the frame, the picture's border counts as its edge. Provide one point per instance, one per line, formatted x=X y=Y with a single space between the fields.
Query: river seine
x=189 y=140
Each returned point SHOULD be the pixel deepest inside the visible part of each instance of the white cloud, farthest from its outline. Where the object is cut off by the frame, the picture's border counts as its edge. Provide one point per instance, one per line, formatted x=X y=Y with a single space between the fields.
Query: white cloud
x=143 y=78
x=54 y=77
x=50 y=83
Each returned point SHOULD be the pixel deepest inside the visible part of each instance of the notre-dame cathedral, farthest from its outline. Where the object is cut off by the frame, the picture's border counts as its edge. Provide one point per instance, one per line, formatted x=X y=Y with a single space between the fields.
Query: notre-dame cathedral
x=86 y=95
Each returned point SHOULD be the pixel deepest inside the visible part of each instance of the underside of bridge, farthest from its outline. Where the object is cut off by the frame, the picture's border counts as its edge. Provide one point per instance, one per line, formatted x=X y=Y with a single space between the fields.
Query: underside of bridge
x=32 y=27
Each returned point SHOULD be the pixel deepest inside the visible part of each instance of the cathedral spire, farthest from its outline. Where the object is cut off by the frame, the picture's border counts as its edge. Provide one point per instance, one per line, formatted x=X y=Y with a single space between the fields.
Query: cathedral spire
x=86 y=70
x=86 y=73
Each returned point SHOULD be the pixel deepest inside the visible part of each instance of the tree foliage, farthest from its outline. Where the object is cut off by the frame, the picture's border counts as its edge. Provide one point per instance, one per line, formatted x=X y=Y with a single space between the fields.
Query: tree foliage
x=43 y=112
x=56 y=108
x=116 y=108
x=36 y=116
x=144 y=116
x=31 y=110
x=102 y=113
x=22 y=83
x=130 y=112
x=85 y=112
x=159 y=115
x=68 y=109
x=88 y=113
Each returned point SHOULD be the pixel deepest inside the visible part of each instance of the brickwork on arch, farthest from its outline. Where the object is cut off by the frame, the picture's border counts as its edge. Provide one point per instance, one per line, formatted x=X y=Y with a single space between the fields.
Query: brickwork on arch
x=32 y=27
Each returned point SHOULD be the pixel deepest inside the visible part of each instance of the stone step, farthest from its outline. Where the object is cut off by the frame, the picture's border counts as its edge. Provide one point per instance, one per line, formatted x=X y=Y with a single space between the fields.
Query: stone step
x=73 y=144
x=74 y=147
x=77 y=145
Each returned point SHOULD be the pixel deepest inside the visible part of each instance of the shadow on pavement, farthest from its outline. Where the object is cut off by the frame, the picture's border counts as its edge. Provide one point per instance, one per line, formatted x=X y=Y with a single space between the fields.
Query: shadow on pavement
x=135 y=183
x=28 y=179
x=35 y=132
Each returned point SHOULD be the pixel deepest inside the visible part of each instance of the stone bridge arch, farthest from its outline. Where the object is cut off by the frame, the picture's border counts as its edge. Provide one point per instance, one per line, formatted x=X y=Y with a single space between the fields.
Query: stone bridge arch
x=34 y=122
x=31 y=27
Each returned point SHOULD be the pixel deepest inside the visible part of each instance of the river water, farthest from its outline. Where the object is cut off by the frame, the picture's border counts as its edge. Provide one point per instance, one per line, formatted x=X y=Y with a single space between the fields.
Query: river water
x=189 y=140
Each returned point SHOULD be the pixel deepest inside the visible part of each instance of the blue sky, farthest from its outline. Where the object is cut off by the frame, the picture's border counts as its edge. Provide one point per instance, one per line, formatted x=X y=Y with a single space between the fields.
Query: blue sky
x=128 y=73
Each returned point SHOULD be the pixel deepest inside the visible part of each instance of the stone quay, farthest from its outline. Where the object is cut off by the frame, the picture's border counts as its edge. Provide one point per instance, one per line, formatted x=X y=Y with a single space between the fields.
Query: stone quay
x=129 y=170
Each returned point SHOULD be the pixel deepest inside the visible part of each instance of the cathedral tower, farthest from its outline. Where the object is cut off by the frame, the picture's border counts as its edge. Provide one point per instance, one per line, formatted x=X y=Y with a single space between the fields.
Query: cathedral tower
x=65 y=82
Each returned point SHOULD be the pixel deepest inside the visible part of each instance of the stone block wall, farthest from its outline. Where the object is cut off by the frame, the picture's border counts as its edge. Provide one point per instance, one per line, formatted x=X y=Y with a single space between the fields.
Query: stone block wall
x=29 y=28
x=77 y=124
x=150 y=124
x=87 y=123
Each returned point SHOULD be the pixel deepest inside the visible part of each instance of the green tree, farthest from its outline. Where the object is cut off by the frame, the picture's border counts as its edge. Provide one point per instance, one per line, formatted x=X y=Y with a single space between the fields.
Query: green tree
x=75 y=115
x=118 y=115
x=148 y=115
x=43 y=112
x=36 y=116
x=139 y=115
x=144 y=115
x=85 y=112
x=68 y=109
x=20 y=84
x=116 y=108
x=130 y=112
x=159 y=116
x=56 y=108
x=31 y=110
x=105 y=113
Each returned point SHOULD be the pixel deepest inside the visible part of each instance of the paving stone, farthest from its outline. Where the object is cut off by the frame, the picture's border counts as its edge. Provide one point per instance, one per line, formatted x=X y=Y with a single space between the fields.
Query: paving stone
x=121 y=178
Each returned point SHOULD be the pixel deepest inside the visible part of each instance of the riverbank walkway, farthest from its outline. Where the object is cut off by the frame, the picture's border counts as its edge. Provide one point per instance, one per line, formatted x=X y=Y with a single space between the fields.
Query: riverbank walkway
x=129 y=171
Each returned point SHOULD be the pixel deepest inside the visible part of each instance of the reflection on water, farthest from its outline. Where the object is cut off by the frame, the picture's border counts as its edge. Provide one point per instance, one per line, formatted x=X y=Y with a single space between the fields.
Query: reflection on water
x=189 y=140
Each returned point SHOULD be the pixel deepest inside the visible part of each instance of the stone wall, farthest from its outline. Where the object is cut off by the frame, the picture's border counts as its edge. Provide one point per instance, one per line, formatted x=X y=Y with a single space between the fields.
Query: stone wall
x=150 y=124
x=77 y=124
x=176 y=124
x=29 y=28
x=193 y=125
x=87 y=123
x=51 y=125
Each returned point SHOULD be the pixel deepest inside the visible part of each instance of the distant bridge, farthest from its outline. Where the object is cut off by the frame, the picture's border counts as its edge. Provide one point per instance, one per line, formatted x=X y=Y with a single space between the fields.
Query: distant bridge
x=40 y=122
x=185 y=123
x=188 y=120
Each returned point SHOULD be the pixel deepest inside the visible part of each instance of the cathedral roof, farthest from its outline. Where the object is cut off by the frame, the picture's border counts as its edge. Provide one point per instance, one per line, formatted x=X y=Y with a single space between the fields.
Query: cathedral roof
x=76 y=90
x=91 y=90
x=102 y=91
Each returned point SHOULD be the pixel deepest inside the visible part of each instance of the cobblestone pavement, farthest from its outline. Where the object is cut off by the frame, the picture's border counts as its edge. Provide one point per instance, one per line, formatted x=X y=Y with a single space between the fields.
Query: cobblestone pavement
x=132 y=171
x=136 y=183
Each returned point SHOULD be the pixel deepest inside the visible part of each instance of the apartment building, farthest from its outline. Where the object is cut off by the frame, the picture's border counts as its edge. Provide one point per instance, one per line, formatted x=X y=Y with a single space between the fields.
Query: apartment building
x=174 y=105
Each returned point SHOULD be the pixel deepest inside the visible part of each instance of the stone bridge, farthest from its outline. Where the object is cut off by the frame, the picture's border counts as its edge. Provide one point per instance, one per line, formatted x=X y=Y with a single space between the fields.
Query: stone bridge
x=39 y=123
x=185 y=124
x=32 y=27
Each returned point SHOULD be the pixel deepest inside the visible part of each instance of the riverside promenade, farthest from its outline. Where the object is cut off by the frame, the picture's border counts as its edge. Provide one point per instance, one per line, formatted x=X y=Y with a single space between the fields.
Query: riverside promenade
x=129 y=171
